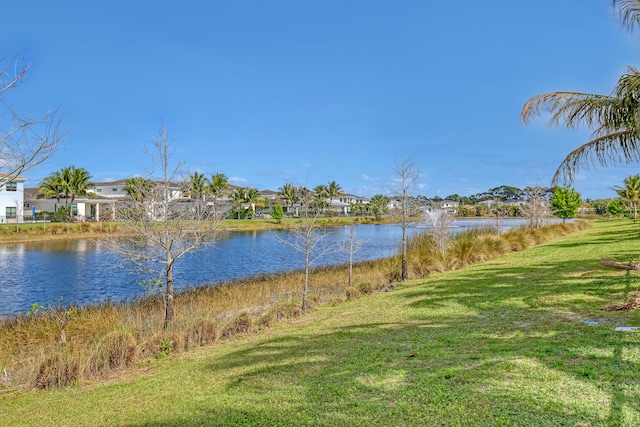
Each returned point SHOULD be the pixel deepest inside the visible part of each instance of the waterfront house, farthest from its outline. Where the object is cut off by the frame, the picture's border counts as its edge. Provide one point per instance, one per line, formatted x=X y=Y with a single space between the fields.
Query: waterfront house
x=11 y=198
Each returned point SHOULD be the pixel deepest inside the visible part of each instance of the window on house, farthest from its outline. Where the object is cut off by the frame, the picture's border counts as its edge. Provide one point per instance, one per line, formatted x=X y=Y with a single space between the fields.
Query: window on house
x=11 y=212
x=114 y=189
x=12 y=186
x=99 y=190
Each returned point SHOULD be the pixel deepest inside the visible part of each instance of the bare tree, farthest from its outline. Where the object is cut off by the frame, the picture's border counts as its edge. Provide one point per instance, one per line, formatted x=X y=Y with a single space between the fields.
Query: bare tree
x=350 y=245
x=536 y=209
x=25 y=141
x=162 y=226
x=408 y=210
x=308 y=238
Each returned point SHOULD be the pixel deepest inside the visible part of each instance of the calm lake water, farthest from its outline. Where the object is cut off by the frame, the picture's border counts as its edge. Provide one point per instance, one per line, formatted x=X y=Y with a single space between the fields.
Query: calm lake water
x=82 y=272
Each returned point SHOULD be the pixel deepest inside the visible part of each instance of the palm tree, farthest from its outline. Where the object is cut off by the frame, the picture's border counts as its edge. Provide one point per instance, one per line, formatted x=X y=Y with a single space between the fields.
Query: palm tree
x=322 y=192
x=218 y=187
x=138 y=188
x=78 y=182
x=378 y=205
x=630 y=193
x=52 y=186
x=239 y=198
x=253 y=197
x=333 y=190
x=615 y=118
x=198 y=185
x=288 y=193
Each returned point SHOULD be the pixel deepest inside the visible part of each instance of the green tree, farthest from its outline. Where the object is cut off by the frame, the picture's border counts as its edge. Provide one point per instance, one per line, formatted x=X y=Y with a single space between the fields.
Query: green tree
x=377 y=205
x=614 y=118
x=219 y=188
x=333 y=190
x=138 y=188
x=322 y=193
x=239 y=199
x=52 y=186
x=565 y=202
x=253 y=198
x=288 y=194
x=277 y=212
x=630 y=193
x=198 y=186
x=614 y=207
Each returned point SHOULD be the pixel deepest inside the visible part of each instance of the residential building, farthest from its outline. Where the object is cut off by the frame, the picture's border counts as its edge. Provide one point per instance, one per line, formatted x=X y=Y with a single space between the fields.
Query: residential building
x=11 y=199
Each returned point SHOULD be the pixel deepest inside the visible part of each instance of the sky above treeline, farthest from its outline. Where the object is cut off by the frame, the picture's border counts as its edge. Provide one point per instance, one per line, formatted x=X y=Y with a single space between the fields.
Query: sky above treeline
x=307 y=92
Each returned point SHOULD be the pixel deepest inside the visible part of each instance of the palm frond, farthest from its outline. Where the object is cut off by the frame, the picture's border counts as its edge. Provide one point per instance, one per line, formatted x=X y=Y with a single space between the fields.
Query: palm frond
x=571 y=108
x=608 y=150
x=629 y=12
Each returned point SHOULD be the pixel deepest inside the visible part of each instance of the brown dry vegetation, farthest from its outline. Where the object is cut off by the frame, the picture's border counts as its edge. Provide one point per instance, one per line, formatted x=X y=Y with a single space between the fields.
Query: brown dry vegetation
x=109 y=338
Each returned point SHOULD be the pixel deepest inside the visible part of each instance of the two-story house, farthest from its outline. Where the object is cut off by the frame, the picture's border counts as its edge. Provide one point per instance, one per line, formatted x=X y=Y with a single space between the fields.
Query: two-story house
x=11 y=198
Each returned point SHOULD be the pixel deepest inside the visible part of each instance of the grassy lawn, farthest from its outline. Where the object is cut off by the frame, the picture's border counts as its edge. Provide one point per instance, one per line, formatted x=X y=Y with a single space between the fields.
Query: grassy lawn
x=520 y=340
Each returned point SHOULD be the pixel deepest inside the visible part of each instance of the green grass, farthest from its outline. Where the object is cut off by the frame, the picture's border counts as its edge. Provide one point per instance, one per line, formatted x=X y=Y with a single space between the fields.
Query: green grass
x=510 y=341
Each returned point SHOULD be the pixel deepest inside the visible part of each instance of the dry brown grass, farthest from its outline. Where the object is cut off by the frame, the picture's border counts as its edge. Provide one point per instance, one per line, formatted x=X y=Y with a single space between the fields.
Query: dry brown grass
x=107 y=338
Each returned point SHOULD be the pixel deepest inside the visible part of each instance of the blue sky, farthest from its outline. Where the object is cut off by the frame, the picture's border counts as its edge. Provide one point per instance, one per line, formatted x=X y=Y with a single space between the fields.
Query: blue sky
x=306 y=92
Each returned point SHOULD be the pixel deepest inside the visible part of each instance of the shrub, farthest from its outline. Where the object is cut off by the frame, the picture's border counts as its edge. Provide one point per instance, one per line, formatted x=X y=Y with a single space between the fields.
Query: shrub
x=204 y=331
x=56 y=371
x=242 y=323
x=162 y=345
x=366 y=288
x=352 y=293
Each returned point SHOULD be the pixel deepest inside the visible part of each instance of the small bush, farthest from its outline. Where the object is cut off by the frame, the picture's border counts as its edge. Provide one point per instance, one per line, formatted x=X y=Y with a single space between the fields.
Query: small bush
x=336 y=301
x=366 y=288
x=204 y=331
x=162 y=345
x=352 y=293
x=242 y=323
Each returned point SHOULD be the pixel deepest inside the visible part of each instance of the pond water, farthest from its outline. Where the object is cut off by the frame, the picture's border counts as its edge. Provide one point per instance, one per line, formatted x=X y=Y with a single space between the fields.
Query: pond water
x=83 y=272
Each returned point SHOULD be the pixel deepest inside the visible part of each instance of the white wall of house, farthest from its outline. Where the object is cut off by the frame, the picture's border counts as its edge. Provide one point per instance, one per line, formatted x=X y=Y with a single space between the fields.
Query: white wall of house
x=12 y=201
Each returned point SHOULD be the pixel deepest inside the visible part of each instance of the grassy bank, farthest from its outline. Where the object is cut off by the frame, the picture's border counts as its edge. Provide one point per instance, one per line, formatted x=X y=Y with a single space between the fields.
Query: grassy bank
x=28 y=232
x=523 y=339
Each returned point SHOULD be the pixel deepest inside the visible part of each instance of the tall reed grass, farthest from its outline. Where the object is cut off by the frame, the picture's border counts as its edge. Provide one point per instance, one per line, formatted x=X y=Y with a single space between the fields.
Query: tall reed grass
x=107 y=338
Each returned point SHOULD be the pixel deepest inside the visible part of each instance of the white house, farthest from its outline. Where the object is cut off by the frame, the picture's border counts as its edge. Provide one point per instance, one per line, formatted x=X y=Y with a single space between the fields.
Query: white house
x=11 y=199
x=449 y=206
x=342 y=203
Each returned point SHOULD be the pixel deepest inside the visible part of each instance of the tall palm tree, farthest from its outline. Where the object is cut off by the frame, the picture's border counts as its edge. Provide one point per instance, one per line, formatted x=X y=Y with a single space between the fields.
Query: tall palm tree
x=252 y=197
x=197 y=187
x=288 y=193
x=78 y=182
x=615 y=118
x=630 y=193
x=52 y=186
x=322 y=192
x=138 y=188
x=333 y=190
x=218 y=187
x=239 y=198
x=378 y=205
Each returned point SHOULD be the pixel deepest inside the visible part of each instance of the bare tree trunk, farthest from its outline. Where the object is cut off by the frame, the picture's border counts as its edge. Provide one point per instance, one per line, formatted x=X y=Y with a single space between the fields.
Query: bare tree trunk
x=305 y=290
x=169 y=315
x=404 y=270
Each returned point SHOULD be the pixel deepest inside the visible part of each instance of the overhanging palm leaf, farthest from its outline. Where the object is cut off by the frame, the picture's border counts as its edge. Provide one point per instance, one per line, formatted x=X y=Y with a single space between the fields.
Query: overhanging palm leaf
x=615 y=119
x=629 y=12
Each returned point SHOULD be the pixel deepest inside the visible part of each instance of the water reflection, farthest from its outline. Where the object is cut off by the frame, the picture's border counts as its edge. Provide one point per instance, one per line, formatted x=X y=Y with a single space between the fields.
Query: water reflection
x=83 y=272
